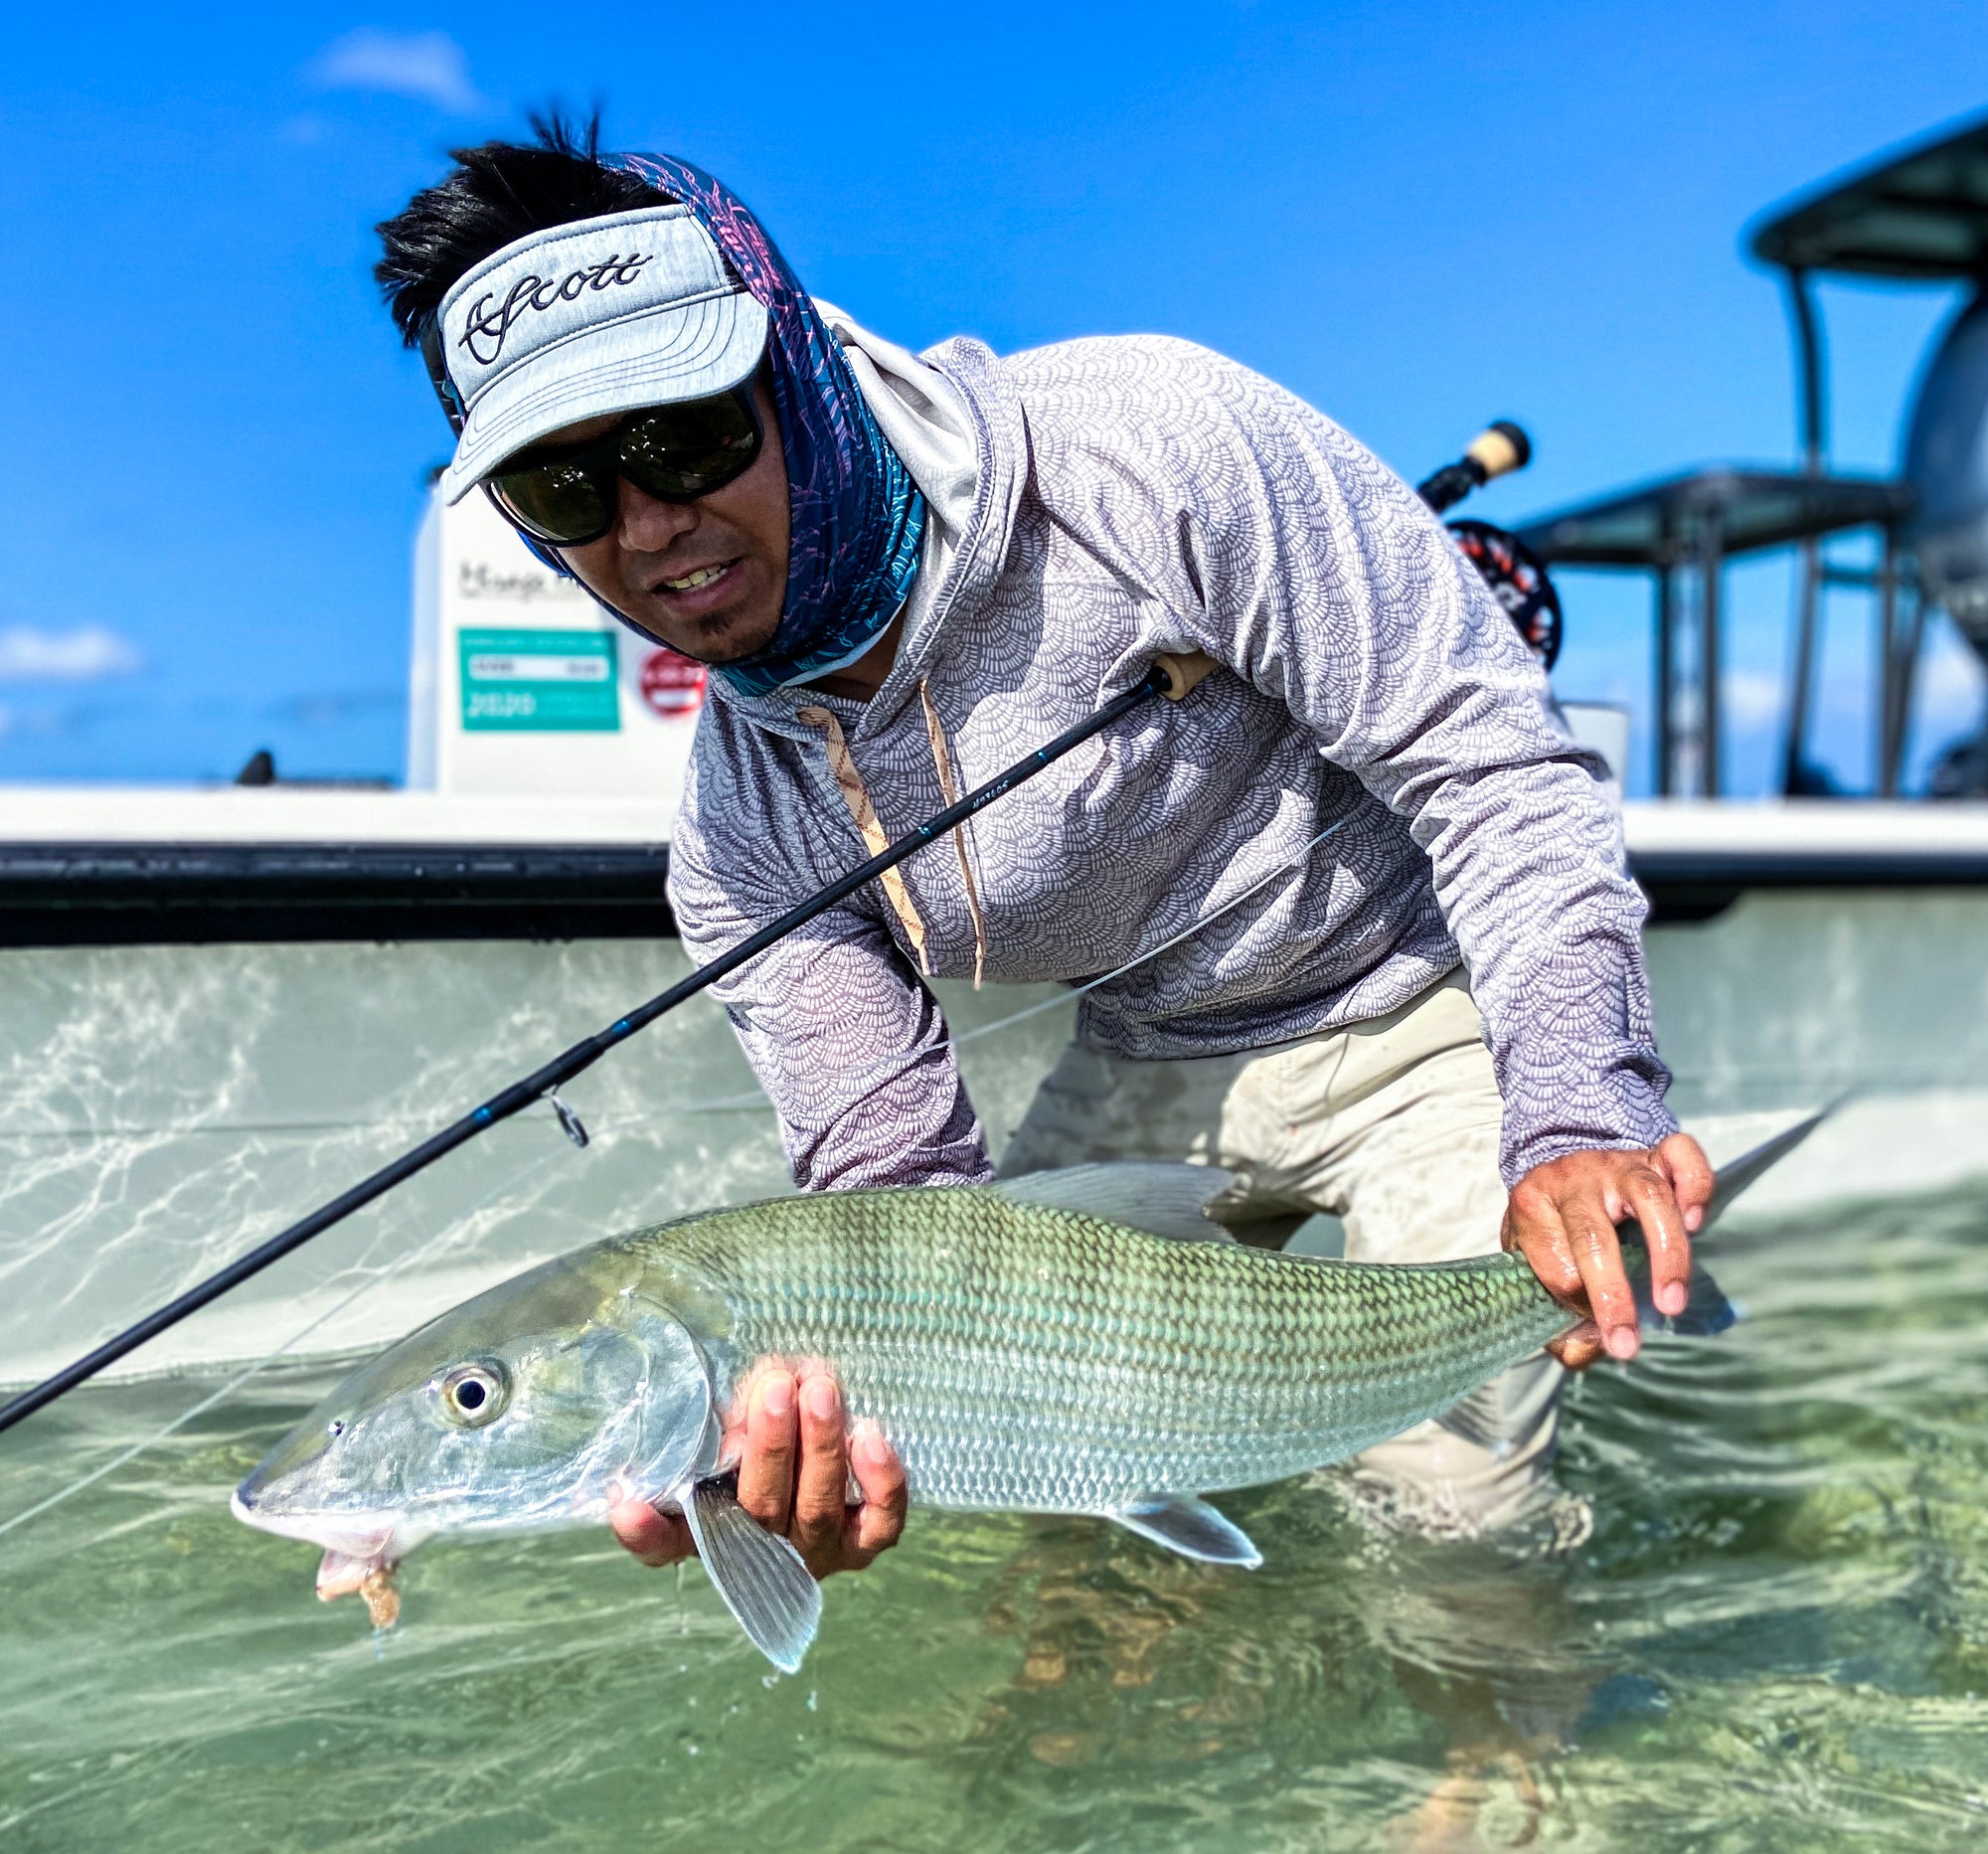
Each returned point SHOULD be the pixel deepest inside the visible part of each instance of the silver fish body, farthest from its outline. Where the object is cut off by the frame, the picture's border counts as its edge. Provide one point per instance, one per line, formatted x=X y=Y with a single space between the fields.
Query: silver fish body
x=1029 y=1358
x=1076 y=1342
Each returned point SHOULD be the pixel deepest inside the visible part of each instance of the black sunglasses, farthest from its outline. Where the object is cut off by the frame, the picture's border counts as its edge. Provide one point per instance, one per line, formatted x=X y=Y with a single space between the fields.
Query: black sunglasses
x=674 y=453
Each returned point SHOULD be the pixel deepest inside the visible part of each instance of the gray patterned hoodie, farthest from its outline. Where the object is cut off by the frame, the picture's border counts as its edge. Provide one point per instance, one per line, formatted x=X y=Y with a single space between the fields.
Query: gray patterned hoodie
x=1094 y=503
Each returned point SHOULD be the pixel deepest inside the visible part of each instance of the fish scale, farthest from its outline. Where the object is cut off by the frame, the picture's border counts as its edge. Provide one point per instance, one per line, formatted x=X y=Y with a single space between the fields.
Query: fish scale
x=1020 y=1355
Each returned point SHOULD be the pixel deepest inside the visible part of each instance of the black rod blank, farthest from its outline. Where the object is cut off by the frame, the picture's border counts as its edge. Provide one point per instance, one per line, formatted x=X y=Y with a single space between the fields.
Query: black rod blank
x=1171 y=676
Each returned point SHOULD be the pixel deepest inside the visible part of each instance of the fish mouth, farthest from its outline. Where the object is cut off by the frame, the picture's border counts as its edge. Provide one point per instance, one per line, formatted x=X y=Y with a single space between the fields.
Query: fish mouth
x=361 y=1550
x=359 y=1537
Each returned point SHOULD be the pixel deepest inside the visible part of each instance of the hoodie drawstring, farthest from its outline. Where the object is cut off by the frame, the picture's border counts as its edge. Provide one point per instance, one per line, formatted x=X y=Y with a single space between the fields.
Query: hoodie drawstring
x=850 y=784
x=949 y=791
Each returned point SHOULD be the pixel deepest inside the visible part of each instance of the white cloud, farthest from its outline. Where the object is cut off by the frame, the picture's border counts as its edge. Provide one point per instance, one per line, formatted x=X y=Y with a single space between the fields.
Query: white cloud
x=428 y=65
x=87 y=654
x=1950 y=681
x=1753 y=698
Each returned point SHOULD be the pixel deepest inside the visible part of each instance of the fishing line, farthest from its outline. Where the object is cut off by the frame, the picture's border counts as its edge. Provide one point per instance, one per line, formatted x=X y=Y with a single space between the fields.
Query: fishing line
x=455 y=1232
x=758 y=1098
x=1172 y=676
x=451 y=1232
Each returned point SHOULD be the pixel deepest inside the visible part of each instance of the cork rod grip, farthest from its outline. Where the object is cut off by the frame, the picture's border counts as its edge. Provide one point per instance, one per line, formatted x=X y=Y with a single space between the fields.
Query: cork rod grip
x=1184 y=669
x=1499 y=448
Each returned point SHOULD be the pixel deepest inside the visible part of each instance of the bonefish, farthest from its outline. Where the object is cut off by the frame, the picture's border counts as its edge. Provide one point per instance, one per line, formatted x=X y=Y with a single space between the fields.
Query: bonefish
x=1082 y=1341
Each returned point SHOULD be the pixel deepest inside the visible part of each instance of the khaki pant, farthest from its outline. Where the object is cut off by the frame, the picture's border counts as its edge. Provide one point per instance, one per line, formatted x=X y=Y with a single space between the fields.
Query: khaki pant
x=1392 y=1125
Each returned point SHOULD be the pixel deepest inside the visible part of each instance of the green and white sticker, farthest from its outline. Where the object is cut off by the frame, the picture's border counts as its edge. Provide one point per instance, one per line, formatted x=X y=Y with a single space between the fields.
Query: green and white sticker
x=547 y=682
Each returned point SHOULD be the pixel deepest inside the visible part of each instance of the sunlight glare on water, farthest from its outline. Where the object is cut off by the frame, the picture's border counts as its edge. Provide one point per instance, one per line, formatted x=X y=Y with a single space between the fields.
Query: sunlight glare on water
x=1777 y=1638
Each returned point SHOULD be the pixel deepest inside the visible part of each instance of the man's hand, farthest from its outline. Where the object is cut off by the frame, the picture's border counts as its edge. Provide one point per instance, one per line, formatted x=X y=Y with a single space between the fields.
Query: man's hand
x=1562 y=1217
x=794 y=1478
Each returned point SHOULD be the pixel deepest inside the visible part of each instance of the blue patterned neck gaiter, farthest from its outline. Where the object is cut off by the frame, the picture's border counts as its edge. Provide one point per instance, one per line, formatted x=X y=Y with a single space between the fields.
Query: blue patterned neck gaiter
x=856 y=519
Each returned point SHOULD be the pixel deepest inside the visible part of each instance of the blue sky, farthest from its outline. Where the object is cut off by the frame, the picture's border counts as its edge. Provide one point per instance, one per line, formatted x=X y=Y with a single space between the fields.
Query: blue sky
x=1417 y=216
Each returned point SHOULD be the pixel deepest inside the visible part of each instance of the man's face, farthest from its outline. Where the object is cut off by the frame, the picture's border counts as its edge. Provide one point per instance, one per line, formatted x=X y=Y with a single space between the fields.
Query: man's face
x=707 y=578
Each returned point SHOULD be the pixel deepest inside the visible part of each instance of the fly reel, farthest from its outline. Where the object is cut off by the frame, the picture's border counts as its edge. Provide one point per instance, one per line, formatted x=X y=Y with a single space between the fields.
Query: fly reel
x=1516 y=576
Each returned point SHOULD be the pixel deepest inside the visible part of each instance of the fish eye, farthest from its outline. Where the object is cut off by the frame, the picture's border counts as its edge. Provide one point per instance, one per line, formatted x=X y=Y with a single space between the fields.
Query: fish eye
x=474 y=1393
x=335 y=1427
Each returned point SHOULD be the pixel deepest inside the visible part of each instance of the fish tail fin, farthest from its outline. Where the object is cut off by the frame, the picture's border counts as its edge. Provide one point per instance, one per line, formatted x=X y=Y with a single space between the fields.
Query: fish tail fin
x=1736 y=1175
x=1707 y=1311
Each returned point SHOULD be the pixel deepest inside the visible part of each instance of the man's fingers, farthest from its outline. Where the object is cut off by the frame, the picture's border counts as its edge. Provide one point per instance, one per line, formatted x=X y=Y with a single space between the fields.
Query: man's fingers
x=794 y=1469
x=1571 y=1248
x=1592 y=1236
x=1563 y=1217
x=822 y=1496
x=773 y=1446
x=1692 y=1177
x=879 y=1522
x=1533 y=1227
x=1647 y=1194
x=655 y=1538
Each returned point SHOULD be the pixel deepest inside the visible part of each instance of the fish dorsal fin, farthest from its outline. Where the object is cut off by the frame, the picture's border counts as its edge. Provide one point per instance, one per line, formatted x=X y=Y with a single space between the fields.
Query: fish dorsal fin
x=1189 y=1526
x=759 y=1574
x=1161 y=1198
x=1742 y=1171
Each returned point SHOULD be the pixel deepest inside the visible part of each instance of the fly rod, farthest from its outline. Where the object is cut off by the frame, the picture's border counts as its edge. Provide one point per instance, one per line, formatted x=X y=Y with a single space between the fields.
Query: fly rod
x=1173 y=675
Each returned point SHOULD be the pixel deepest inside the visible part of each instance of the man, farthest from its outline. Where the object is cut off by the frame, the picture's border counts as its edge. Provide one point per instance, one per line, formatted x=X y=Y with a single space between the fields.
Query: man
x=1380 y=956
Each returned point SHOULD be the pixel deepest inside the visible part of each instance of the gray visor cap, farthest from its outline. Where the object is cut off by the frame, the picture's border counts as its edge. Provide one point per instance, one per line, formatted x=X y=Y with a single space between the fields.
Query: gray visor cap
x=603 y=315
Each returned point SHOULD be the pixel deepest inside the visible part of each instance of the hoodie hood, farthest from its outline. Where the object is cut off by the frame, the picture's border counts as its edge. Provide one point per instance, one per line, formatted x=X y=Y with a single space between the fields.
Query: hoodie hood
x=958 y=428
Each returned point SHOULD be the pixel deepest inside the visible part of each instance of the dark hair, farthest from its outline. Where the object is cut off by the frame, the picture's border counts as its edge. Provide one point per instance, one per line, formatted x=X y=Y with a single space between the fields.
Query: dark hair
x=495 y=195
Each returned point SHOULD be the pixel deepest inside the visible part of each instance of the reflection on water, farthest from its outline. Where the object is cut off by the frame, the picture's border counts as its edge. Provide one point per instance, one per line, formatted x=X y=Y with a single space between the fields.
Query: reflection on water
x=1776 y=1638
x=162 y=1108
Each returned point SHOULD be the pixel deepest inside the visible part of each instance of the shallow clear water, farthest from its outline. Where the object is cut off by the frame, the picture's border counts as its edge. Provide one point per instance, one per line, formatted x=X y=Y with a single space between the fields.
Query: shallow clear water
x=163 y=1108
x=1777 y=1638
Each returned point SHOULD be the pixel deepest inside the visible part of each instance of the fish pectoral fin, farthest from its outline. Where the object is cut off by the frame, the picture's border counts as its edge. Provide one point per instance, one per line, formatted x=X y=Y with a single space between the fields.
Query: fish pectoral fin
x=760 y=1576
x=1189 y=1526
x=1161 y=1198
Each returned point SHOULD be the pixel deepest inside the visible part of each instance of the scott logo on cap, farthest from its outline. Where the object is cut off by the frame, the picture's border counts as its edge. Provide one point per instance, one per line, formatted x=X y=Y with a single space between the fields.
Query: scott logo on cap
x=489 y=325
